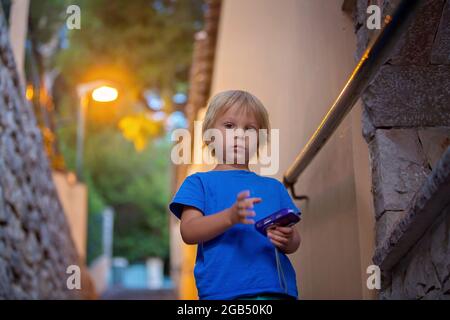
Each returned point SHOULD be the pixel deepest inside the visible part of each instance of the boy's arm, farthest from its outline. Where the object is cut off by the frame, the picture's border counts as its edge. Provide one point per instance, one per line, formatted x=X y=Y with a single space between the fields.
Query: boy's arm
x=195 y=227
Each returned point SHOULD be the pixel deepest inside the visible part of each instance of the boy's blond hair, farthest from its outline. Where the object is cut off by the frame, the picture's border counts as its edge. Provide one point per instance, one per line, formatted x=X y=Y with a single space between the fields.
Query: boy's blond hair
x=222 y=101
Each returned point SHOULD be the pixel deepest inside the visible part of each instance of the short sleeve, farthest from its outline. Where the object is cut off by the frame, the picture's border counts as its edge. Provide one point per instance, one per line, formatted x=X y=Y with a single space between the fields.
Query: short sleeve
x=190 y=193
x=286 y=200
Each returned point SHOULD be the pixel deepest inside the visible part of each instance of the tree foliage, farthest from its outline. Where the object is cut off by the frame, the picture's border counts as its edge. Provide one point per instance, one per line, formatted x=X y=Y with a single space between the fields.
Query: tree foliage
x=137 y=45
x=148 y=42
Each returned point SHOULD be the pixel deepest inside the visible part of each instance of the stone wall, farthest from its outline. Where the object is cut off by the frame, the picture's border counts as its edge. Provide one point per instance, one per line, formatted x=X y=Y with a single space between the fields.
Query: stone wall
x=424 y=273
x=35 y=242
x=416 y=255
x=406 y=123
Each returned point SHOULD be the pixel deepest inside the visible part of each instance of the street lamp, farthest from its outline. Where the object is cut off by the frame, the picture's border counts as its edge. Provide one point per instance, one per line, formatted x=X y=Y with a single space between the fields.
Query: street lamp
x=104 y=94
x=101 y=91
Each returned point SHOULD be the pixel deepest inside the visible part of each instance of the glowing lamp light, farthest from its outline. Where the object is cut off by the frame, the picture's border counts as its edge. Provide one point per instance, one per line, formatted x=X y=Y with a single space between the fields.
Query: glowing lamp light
x=105 y=94
x=29 y=93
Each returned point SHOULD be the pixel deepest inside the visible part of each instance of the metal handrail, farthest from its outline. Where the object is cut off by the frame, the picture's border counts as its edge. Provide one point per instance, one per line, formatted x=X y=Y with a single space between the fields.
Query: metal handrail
x=365 y=71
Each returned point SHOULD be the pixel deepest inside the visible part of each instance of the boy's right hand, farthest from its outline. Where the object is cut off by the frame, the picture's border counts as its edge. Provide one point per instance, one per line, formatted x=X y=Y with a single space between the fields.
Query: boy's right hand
x=242 y=208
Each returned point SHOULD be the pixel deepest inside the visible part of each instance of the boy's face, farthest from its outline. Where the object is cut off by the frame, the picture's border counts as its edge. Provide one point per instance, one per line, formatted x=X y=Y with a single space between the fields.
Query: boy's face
x=239 y=131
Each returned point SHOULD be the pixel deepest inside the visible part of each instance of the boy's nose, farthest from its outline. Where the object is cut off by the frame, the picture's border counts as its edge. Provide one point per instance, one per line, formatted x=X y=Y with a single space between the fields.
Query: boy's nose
x=239 y=133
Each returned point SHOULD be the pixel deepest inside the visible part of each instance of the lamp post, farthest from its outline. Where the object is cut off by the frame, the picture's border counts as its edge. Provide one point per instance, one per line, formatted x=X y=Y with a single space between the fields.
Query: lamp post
x=100 y=91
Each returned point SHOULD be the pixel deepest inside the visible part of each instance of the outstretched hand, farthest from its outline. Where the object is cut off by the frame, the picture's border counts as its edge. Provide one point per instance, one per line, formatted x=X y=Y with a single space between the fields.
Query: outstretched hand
x=242 y=209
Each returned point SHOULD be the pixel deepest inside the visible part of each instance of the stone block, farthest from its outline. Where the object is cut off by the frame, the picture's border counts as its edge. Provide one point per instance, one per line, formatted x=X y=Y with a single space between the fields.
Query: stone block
x=434 y=142
x=429 y=203
x=386 y=224
x=441 y=48
x=415 y=47
x=5 y=278
x=424 y=272
x=409 y=96
x=440 y=249
x=398 y=168
x=3 y=217
x=419 y=274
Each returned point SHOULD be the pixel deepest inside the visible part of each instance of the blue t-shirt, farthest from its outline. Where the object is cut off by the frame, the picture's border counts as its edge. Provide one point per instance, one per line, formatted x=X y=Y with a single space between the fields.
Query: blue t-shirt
x=240 y=261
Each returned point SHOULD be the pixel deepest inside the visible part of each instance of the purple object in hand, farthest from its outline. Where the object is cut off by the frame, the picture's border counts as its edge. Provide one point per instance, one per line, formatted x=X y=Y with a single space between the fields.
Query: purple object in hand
x=284 y=217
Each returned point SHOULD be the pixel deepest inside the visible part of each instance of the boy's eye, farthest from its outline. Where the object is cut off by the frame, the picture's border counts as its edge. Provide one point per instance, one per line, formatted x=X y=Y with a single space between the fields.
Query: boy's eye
x=250 y=128
x=228 y=125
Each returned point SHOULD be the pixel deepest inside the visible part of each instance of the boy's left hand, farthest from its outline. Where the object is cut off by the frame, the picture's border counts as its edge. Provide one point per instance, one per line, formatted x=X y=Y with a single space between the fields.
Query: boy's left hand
x=284 y=238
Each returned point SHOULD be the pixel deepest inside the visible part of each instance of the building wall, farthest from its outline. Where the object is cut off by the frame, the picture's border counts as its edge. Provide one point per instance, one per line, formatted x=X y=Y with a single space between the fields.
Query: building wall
x=73 y=197
x=296 y=56
x=18 y=33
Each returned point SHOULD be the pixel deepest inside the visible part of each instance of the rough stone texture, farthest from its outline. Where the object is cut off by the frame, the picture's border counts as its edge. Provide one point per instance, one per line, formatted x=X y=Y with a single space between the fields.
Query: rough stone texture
x=424 y=272
x=35 y=242
x=415 y=47
x=398 y=168
x=413 y=88
x=434 y=142
x=362 y=40
x=441 y=47
x=427 y=204
x=386 y=224
x=406 y=122
x=360 y=18
x=409 y=96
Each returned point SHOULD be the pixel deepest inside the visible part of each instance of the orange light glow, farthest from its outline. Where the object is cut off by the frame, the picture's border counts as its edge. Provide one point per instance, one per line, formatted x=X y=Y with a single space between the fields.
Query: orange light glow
x=29 y=93
x=105 y=94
